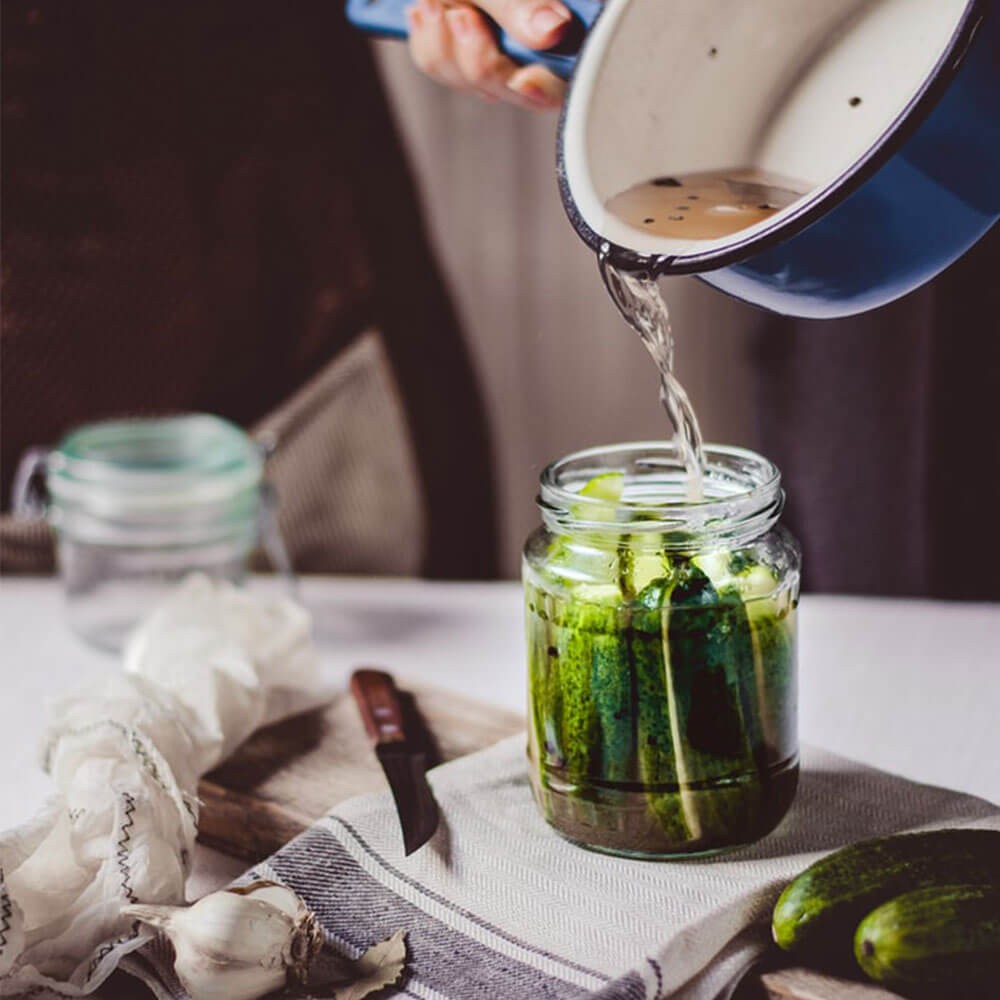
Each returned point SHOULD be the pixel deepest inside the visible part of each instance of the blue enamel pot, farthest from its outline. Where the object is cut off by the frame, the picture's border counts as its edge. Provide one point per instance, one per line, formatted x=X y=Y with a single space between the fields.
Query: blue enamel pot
x=886 y=112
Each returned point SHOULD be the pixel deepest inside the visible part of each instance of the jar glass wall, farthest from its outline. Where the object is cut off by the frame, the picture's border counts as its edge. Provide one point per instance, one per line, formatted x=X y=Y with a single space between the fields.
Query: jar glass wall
x=662 y=651
x=137 y=505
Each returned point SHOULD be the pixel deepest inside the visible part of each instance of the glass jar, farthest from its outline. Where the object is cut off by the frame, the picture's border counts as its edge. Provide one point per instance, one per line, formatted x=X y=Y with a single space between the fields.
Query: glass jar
x=139 y=504
x=662 y=651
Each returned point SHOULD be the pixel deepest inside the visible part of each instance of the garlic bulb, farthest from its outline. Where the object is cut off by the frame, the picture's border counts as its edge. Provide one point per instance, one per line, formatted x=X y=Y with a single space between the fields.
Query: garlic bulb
x=238 y=944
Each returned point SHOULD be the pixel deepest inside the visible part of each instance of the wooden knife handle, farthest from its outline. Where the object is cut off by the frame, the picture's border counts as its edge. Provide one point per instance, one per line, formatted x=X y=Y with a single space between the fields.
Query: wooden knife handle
x=377 y=697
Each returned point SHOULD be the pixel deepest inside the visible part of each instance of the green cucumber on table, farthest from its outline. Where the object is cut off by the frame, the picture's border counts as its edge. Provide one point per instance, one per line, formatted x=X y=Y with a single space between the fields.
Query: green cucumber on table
x=941 y=940
x=817 y=915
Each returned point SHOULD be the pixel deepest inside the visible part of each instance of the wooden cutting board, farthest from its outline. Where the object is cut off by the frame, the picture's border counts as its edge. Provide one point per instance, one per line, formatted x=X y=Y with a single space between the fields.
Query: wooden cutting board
x=804 y=984
x=287 y=776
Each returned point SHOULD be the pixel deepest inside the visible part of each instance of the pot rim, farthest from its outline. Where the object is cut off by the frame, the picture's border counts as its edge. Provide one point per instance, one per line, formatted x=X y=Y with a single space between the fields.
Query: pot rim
x=903 y=126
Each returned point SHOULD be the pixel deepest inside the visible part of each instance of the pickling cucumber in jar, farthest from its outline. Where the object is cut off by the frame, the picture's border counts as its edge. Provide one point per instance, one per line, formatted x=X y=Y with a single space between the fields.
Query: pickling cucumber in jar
x=661 y=652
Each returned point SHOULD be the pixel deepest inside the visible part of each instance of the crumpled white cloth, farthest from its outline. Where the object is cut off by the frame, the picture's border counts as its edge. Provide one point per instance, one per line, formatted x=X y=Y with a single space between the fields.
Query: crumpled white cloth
x=209 y=666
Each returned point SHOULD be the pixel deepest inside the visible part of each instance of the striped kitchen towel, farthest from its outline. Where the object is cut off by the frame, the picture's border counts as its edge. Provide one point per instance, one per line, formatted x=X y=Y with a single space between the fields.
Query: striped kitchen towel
x=498 y=907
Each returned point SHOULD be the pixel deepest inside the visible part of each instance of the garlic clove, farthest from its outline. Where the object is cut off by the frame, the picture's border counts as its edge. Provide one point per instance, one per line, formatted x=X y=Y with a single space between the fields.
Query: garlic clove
x=206 y=980
x=230 y=929
x=274 y=893
x=306 y=942
x=153 y=914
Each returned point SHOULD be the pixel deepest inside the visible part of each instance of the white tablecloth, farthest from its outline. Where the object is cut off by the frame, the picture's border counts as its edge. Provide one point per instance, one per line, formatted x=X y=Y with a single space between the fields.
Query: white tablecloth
x=909 y=686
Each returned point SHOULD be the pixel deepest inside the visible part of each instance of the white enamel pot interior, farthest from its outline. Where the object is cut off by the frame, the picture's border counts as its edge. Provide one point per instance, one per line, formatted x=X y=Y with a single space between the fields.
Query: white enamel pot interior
x=803 y=89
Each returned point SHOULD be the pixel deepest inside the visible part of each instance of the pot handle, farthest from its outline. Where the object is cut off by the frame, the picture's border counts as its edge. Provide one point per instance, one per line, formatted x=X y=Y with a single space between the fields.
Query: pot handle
x=388 y=19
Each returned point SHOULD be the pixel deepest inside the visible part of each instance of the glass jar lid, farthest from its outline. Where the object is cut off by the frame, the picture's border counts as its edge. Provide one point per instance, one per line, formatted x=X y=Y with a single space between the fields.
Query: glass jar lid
x=140 y=466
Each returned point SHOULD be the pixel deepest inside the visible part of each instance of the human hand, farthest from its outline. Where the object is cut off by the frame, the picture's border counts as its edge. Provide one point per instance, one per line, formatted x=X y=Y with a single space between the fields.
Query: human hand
x=452 y=44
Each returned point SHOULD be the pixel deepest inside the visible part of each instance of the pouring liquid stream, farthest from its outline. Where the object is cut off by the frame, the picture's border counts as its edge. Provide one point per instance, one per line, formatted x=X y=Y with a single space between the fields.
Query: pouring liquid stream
x=638 y=299
x=694 y=207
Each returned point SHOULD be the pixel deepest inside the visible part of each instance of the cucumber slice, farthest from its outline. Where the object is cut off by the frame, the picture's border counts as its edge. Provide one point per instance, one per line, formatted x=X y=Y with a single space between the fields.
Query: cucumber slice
x=545 y=700
x=574 y=563
x=642 y=562
x=771 y=616
x=605 y=595
x=655 y=732
x=607 y=486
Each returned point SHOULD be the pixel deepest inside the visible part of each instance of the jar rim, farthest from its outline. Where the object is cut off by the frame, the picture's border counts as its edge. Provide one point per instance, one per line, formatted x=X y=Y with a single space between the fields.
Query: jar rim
x=743 y=494
x=154 y=463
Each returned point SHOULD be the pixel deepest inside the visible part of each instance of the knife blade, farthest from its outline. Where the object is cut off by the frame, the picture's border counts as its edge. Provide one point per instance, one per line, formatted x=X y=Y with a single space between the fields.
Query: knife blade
x=400 y=751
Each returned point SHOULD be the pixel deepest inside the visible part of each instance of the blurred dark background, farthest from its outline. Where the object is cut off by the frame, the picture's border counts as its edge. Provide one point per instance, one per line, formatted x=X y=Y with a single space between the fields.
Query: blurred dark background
x=214 y=206
x=205 y=206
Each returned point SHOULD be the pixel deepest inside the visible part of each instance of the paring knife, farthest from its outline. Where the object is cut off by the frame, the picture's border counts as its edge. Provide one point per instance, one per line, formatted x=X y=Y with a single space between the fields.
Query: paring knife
x=402 y=754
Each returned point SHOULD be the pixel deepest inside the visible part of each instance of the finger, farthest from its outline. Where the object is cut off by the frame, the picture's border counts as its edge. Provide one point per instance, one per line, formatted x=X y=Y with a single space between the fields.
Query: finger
x=538 y=85
x=482 y=65
x=537 y=23
x=431 y=43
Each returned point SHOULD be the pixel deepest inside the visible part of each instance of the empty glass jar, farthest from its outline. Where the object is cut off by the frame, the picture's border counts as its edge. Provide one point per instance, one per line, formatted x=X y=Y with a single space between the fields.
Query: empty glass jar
x=138 y=504
x=661 y=651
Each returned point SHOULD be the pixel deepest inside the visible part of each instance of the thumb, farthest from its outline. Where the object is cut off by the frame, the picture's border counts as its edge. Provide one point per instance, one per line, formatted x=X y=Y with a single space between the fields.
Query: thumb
x=536 y=23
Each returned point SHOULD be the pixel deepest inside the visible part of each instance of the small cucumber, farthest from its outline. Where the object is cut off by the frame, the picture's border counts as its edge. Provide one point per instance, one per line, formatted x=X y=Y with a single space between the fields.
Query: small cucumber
x=818 y=912
x=710 y=670
x=611 y=690
x=578 y=722
x=939 y=941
